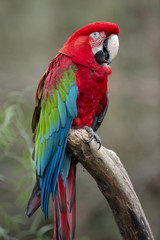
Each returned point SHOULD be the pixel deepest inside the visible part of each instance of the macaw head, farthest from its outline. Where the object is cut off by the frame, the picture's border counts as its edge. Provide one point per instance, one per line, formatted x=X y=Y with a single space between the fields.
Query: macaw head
x=94 y=44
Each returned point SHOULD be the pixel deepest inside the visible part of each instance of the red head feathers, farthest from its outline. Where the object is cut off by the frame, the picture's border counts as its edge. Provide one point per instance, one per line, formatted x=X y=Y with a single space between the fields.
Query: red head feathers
x=83 y=45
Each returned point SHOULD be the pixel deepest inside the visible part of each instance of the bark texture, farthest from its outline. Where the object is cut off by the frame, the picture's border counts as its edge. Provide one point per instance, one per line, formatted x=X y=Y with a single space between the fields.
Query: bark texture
x=114 y=183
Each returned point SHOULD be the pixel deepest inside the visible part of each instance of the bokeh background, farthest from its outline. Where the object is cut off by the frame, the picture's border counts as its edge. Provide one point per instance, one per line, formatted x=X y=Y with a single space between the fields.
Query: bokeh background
x=31 y=32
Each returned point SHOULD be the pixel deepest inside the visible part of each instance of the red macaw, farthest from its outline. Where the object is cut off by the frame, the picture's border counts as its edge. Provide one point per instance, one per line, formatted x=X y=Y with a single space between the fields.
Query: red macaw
x=72 y=93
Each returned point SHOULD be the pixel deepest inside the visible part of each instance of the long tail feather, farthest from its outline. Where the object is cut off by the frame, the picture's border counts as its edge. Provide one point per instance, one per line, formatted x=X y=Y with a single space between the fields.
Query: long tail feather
x=64 y=206
x=34 y=201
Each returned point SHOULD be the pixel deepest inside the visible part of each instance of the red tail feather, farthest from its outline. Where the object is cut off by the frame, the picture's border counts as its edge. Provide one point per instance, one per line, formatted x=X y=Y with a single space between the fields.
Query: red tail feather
x=64 y=207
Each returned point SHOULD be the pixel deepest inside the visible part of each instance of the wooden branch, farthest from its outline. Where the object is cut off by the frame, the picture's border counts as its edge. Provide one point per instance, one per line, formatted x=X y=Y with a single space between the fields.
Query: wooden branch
x=114 y=183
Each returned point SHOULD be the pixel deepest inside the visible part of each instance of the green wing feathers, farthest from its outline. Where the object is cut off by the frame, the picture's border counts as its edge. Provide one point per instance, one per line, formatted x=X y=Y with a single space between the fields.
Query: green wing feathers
x=58 y=102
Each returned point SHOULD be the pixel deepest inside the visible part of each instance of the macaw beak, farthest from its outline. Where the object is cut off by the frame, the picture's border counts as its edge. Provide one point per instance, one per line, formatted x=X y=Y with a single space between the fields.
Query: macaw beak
x=109 y=50
x=101 y=56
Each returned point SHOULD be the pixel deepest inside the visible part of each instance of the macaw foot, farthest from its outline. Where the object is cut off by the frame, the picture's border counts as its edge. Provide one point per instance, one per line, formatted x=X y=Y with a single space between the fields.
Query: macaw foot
x=92 y=135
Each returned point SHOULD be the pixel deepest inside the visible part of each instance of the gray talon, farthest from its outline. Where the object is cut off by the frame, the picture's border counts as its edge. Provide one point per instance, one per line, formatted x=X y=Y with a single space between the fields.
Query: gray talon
x=93 y=135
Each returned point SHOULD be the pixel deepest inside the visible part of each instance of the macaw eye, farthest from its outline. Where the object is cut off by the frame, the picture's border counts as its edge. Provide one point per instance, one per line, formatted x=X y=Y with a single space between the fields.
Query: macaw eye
x=95 y=35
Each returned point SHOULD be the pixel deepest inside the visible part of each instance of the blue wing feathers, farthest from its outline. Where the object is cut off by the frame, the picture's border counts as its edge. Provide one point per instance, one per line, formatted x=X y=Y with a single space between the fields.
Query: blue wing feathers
x=49 y=180
x=71 y=103
x=73 y=92
x=51 y=148
x=54 y=143
x=47 y=183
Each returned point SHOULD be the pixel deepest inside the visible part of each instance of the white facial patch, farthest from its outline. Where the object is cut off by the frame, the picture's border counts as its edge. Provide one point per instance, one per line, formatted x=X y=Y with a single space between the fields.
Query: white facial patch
x=96 y=40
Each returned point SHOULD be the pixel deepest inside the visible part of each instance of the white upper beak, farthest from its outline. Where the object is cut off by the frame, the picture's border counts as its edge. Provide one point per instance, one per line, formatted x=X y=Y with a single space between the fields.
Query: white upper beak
x=113 y=46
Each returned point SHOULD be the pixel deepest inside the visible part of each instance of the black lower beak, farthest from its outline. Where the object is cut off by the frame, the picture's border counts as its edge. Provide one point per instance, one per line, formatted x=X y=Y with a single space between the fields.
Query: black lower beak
x=102 y=56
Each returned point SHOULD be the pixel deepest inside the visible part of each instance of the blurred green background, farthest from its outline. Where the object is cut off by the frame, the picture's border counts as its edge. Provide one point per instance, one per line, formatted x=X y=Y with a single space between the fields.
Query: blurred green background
x=31 y=32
